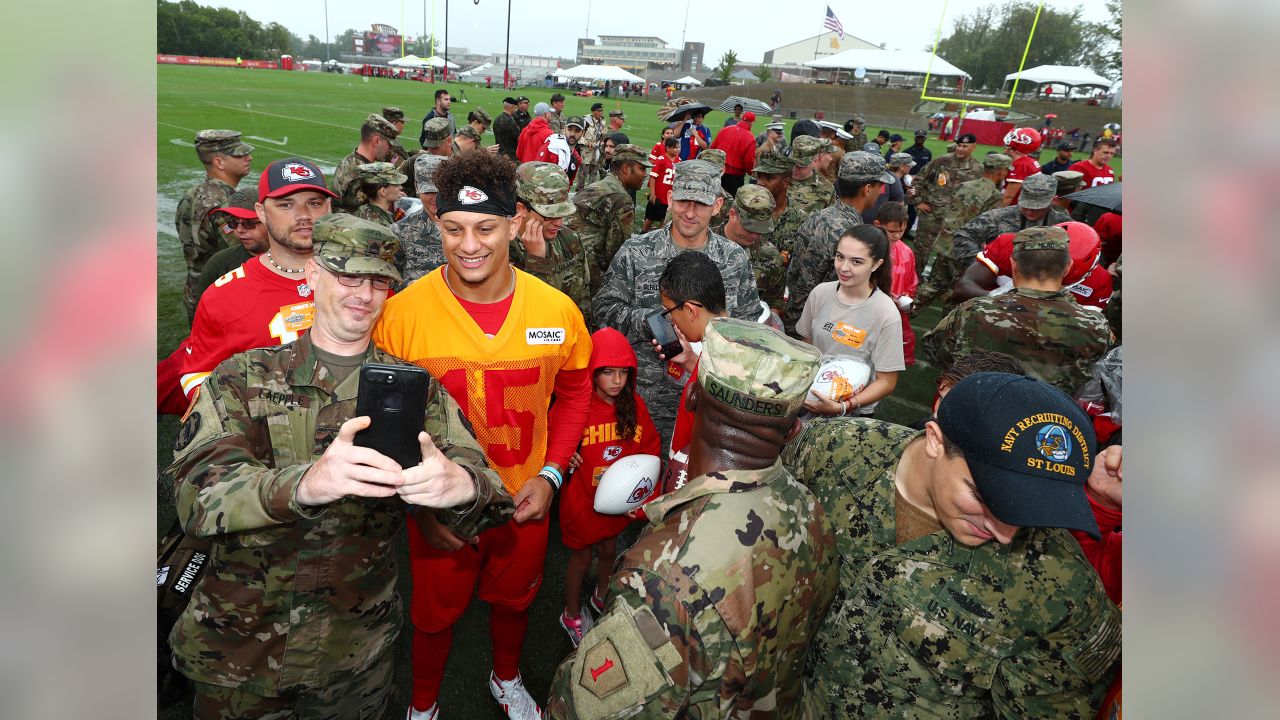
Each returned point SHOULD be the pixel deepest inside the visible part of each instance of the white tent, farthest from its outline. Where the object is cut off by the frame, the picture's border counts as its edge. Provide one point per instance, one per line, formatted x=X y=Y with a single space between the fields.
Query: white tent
x=1068 y=75
x=887 y=61
x=437 y=62
x=408 y=61
x=598 y=72
x=688 y=80
x=480 y=71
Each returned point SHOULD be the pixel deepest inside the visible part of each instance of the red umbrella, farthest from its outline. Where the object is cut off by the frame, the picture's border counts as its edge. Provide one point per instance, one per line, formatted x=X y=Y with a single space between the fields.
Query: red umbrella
x=1051 y=115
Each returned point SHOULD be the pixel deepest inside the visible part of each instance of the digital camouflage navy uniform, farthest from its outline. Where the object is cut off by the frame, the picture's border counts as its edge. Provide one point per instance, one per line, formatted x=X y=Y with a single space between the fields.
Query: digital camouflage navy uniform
x=717 y=158
x=972 y=198
x=1055 y=338
x=346 y=177
x=421 y=247
x=933 y=628
x=565 y=266
x=199 y=235
x=975 y=234
x=814 y=192
x=606 y=214
x=630 y=292
x=936 y=186
x=297 y=601
x=754 y=205
x=379 y=173
x=711 y=613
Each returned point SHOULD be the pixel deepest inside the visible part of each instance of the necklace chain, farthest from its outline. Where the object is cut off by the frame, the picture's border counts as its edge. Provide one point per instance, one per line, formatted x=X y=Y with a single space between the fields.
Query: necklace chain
x=277 y=266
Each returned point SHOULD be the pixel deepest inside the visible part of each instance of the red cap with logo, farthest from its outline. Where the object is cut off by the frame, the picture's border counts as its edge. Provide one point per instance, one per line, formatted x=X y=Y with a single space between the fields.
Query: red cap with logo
x=291 y=175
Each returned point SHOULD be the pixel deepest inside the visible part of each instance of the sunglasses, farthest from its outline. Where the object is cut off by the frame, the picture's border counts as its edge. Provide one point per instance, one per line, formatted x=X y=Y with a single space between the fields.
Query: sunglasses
x=234 y=223
x=667 y=313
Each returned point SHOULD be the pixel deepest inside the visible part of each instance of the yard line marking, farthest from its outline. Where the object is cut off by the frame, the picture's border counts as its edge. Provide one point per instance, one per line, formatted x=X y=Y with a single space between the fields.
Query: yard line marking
x=282 y=141
x=284 y=117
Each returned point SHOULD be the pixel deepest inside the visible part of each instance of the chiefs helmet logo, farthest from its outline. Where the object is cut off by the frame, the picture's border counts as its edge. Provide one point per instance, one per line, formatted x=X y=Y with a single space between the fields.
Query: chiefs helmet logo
x=642 y=490
x=294 y=172
x=471 y=196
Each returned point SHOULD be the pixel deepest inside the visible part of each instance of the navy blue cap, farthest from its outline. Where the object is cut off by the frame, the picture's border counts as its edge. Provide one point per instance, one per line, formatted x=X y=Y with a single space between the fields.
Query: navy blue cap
x=597 y=106
x=1029 y=448
x=896 y=138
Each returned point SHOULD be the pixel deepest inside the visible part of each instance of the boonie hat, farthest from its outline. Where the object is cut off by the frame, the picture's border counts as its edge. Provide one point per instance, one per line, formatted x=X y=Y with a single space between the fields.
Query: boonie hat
x=696 y=180
x=755 y=208
x=291 y=175
x=1037 y=192
x=863 y=166
x=347 y=244
x=754 y=368
x=545 y=188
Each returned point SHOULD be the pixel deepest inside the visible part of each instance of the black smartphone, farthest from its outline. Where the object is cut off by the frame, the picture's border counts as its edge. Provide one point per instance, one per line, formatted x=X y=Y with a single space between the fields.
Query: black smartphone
x=664 y=334
x=395 y=399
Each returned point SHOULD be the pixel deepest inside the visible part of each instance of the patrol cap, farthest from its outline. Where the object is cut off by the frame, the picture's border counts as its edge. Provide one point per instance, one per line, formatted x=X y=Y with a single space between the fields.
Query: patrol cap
x=240 y=205
x=1068 y=181
x=545 y=188
x=627 y=152
x=424 y=171
x=754 y=368
x=900 y=159
x=714 y=156
x=806 y=147
x=220 y=142
x=597 y=106
x=392 y=113
x=382 y=126
x=1029 y=448
x=1041 y=238
x=922 y=133
x=997 y=161
x=696 y=180
x=969 y=138
x=755 y=208
x=863 y=167
x=380 y=173
x=482 y=117
x=1037 y=192
x=616 y=113
x=773 y=163
x=575 y=121
x=434 y=132
x=291 y=175
x=350 y=245
x=469 y=132
x=541 y=108
x=858 y=120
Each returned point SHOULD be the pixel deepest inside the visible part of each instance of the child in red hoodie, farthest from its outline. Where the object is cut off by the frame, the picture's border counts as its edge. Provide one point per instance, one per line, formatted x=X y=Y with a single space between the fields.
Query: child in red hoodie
x=892 y=218
x=618 y=425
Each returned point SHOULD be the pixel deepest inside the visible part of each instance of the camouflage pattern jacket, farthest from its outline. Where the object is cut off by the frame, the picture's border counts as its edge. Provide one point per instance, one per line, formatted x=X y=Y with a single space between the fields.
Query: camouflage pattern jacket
x=769 y=269
x=295 y=598
x=932 y=628
x=811 y=194
x=972 y=199
x=592 y=143
x=566 y=267
x=604 y=221
x=630 y=293
x=200 y=236
x=373 y=213
x=812 y=257
x=1056 y=339
x=938 y=182
x=712 y=612
x=974 y=235
x=346 y=182
x=859 y=139
x=405 y=167
x=421 y=248
x=785 y=228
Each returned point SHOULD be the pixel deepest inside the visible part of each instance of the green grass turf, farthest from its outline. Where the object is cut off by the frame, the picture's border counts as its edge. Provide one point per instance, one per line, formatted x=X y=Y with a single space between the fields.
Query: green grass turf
x=317 y=116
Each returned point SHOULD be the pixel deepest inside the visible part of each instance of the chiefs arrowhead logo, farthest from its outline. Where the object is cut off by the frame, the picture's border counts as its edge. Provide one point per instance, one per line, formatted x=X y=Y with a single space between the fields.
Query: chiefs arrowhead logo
x=471 y=196
x=294 y=172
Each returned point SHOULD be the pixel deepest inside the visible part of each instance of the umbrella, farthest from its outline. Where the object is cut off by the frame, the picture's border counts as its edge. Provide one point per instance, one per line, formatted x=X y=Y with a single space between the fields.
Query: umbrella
x=747 y=103
x=1105 y=196
x=683 y=112
x=1051 y=115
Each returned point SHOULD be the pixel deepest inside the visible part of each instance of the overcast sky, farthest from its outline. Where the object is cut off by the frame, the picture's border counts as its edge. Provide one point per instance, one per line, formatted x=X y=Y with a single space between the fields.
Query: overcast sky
x=552 y=28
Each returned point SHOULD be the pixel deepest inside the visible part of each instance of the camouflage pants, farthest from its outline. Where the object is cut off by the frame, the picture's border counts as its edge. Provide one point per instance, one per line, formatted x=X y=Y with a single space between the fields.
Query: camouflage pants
x=944 y=274
x=926 y=233
x=363 y=697
x=587 y=174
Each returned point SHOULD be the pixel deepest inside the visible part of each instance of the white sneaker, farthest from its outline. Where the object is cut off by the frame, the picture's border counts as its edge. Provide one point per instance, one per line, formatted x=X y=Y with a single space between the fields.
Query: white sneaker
x=431 y=713
x=516 y=702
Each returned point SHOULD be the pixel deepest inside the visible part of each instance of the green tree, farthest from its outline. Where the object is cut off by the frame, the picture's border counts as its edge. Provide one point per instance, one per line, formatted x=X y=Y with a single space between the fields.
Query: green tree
x=988 y=42
x=1105 y=39
x=763 y=73
x=728 y=63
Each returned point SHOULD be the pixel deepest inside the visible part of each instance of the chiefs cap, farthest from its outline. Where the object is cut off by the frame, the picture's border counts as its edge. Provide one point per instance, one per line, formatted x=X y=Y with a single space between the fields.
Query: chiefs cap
x=288 y=176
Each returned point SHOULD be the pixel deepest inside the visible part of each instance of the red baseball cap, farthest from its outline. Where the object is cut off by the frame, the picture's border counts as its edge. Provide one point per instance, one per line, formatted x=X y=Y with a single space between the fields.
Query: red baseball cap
x=291 y=175
x=240 y=205
x=748 y=117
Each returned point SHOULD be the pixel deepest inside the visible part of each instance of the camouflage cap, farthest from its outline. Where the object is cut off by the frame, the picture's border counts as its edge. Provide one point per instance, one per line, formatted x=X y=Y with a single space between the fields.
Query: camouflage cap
x=382 y=126
x=1068 y=181
x=862 y=166
x=545 y=188
x=482 y=117
x=575 y=121
x=347 y=244
x=773 y=163
x=434 y=132
x=755 y=208
x=380 y=173
x=1037 y=192
x=617 y=113
x=901 y=159
x=628 y=152
x=754 y=368
x=392 y=113
x=242 y=204
x=468 y=132
x=997 y=161
x=859 y=120
x=696 y=180
x=221 y=142
x=424 y=171
x=806 y=147
x=1041 y=238
x=715 y=157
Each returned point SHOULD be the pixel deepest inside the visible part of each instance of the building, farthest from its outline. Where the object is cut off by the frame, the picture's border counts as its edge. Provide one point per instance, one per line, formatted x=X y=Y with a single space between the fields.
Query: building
x=812 y=48
x=640 y=53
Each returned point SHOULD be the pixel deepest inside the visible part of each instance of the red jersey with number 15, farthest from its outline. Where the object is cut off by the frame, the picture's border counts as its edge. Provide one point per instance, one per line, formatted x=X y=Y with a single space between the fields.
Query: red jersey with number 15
x=249 y=307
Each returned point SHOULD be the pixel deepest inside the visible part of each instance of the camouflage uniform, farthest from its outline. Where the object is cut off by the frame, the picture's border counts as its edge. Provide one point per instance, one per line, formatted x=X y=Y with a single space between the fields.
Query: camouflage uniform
x=379 y=173
x=373 y=213
x=199 y=235
x=814 y=192
x=787 y=222
x=394 y=115
x=436 y=134
x=754 y=205
x=421 y=247
x=932 y=628
x=606 y=215
x=717 y=158
x=859 y=138
x=591 y=145
x=712 y=612
x=974 y=235
x=811 y=256
x=346 y=177
x=297 y=599
x=566 y=266
x=973 y=198
x=936 y=186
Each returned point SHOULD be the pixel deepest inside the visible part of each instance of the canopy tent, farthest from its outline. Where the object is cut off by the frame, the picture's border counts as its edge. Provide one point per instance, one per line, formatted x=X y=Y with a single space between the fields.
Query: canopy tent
x=598 y=72
x=481 y=71
x=408 y=61
x=688 y=80
x=887 y=61
x=437 y=62
x=1068 y=75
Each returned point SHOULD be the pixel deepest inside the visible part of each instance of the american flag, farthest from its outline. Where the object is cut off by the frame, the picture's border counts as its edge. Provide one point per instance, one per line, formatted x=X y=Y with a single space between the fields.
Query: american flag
x=832 y=23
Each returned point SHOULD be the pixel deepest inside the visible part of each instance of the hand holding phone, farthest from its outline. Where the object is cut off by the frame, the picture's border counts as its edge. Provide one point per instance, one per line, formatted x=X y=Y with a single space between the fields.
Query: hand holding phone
x=664 y=334
x=394 y=397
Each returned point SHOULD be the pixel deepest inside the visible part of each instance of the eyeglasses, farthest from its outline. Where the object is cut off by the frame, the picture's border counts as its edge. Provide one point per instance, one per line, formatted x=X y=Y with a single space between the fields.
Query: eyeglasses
x=682 y=303
x=355 y=281
x=234 y=223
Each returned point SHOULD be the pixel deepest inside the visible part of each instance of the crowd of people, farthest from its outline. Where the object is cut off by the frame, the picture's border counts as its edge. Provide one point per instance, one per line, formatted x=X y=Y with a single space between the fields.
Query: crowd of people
x=800 y=556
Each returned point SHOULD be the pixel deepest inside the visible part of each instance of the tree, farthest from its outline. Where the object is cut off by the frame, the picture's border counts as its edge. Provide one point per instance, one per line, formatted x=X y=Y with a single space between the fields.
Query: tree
x=763 y=73
x=1105 y=39
x=728 y=62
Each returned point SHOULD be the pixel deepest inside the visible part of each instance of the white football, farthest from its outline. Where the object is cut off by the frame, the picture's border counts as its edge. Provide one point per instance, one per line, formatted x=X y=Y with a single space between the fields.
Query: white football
x=627 y=484
x=838 y=378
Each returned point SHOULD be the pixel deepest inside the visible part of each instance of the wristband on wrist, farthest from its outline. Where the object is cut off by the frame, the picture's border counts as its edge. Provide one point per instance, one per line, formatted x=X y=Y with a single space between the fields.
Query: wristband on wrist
x=552 y=476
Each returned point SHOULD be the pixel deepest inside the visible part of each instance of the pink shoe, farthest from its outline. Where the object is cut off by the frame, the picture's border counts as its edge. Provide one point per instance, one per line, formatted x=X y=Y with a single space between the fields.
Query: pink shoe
x=577 y=627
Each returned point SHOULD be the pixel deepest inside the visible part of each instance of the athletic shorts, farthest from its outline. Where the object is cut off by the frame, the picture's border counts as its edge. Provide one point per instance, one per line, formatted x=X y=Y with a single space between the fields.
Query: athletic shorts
x=505 y=565
x=655 y=211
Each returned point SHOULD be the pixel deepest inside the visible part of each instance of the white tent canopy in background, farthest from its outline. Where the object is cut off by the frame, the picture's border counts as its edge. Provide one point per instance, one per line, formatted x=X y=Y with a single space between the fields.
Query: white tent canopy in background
x=1068 y=75
x=436 y=62
x=598 y=72
x=688 y=80
x=480 y=70
x=409 y=61
x=887 y=61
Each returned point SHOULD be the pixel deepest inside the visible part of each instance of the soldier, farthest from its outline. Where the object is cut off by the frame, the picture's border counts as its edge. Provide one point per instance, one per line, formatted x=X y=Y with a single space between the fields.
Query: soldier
x=715 y=157
x=750 y=220
x=226 y=161
x=712 y=612
x=1069 y=181
x=773 y=173
x=772 y=139
x=544 y=246
x=855 y=129
x=421 y=250
x=617 y=119
x=521 y=115
x=1039 y=322
x=921 y=154
x=506 y=130
x=380 y=186
x=297 y=612
x=395 y=116
x=862 y=175
x=376 y=135
x=1034 y=208
x=630 y=291
x=933 y=619
x=971 y=200
x=467 y=138
x=935 y=188
x=809 y=192
x=606 y=213
x=436 y=141
x=591 y=146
